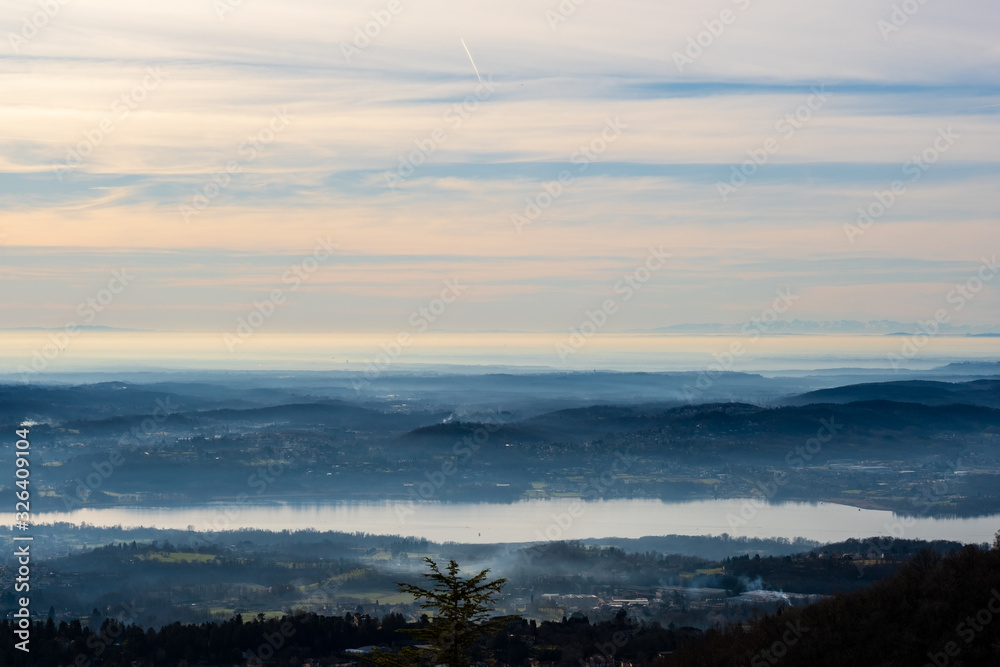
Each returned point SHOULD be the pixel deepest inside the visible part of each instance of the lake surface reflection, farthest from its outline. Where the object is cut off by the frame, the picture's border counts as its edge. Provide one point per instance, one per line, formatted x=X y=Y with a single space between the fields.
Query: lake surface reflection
x=538 y=520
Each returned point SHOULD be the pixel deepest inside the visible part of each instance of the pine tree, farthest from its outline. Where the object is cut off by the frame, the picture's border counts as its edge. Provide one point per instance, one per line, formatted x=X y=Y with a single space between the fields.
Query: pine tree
x=462 y=609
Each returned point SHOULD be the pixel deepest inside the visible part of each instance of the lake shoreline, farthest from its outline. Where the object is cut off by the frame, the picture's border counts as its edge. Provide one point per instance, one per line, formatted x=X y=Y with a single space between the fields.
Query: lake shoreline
x=903 y=509
x=546 y=520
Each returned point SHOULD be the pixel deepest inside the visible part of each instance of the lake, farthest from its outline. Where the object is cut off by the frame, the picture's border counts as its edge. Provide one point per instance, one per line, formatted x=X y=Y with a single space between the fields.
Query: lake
x=539 y=520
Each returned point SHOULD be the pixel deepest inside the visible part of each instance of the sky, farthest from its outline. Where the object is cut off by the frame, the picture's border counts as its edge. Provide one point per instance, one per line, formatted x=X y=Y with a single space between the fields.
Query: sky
x=337 y=166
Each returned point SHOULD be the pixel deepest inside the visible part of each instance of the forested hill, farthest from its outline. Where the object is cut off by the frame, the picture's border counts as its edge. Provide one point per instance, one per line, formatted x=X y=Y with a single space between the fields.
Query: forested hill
x=943 y=611
x=940 y=611
x=984 y=392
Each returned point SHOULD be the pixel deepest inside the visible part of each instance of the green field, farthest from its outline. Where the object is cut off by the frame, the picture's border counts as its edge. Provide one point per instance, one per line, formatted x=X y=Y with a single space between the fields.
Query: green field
x=177 y=557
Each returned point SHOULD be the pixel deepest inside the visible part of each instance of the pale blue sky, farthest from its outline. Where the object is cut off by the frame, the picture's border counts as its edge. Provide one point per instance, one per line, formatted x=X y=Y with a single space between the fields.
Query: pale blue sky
x=887 y=96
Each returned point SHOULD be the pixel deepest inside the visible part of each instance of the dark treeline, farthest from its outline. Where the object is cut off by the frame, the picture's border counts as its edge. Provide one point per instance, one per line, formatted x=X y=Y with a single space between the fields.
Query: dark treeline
x=62 y=538
x=935 y=610
x=942 y=610
x=293 y=639
x=831 y=568
x=231 y=642
x=180 y=576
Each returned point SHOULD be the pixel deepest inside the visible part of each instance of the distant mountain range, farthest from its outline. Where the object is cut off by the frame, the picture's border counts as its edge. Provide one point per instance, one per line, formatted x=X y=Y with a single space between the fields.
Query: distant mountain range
x=499 y=437
x=873 y=327
x=979 y=392
x=872 y=428
x=876 y=327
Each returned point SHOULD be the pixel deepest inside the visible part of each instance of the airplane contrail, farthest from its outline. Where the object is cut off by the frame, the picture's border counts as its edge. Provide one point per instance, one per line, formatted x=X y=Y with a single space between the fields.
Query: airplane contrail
x=471 y=60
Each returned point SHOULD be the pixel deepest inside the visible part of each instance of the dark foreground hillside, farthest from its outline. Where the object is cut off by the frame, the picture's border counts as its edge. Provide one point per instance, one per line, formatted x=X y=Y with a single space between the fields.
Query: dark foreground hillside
x=934 y=611
x=940 y=611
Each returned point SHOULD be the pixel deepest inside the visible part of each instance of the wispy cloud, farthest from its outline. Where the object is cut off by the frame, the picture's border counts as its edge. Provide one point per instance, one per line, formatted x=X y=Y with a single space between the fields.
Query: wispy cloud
x=354 y=121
